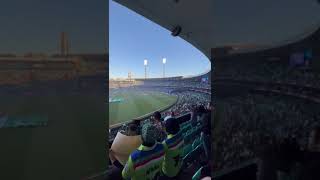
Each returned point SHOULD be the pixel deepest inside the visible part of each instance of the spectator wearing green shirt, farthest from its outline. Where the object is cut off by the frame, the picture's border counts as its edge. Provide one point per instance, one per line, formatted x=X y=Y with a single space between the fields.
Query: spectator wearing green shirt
x=145 y=162
x=173 y=145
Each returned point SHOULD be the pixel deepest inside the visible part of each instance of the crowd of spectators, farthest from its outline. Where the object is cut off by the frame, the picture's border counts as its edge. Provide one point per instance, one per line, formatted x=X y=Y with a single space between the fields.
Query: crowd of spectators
x=279 y=72
x=244 y=124
x=200 y=115
x=180 y=83
x=187 y=101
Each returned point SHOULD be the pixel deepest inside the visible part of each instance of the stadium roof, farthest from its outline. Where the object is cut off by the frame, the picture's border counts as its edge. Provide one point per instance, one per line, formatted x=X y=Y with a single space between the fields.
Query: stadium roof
x=245 y=25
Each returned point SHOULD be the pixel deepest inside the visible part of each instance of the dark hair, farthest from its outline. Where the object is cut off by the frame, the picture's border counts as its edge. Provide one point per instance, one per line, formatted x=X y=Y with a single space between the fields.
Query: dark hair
x=136 y=122
x=132 y=127
x=201 y=109
x=172 y=126
x=157 y=115
x=147 y=144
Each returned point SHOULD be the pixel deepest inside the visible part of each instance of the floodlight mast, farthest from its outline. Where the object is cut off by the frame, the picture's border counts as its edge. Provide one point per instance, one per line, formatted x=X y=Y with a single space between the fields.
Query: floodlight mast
x=145 y=68
x=164 y=61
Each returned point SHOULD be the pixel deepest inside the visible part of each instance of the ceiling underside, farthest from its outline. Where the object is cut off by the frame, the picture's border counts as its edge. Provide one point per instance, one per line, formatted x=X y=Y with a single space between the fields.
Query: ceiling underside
x=246 y=24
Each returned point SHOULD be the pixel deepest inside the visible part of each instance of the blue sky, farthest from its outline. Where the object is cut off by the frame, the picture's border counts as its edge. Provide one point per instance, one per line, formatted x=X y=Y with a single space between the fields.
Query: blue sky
x=133 y=38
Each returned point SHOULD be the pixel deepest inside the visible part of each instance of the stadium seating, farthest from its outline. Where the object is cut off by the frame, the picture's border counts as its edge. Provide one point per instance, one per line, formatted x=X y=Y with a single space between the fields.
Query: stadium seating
x=197 y=175
x=187 y=149
x=185 y=127
x=192 y=156
x=193 y=150
x=196 y=142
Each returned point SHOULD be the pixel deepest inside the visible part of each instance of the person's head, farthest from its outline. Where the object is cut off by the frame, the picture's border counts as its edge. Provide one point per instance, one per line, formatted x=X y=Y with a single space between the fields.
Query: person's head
x=136 y=122
x=172 y=126
x=194 y=108
x=314 y=139
x=148 y=134
x=209 y=106
x=157 y=116
x=166 y=118
x=201 y=109
x=172 y=113
x=132 y=129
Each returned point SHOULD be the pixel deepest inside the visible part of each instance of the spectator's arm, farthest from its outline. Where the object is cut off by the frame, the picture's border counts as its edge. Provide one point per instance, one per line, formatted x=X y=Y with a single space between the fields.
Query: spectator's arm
x=118 y=164
x=165 y=151
x=114 y=160
x=165 y=146
x=127 y=171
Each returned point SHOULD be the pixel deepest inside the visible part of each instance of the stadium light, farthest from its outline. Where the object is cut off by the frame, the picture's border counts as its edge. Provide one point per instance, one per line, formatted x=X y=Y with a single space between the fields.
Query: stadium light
x=145 y=68
x=164 y=61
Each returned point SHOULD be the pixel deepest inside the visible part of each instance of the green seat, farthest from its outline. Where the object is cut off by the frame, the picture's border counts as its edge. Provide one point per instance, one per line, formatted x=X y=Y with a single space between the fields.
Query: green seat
x=193 y=133
x=197 y=175
x=195 y=143
x=187 y=149
x=184 y=130
x=192 y=156
x=198 y=130
x=188 y=132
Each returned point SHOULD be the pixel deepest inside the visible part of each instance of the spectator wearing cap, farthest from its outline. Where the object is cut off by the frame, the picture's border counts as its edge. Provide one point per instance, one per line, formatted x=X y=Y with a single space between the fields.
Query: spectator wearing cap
x=157 y=121
x=209 y=106
x=173 y=149
x=145 y=162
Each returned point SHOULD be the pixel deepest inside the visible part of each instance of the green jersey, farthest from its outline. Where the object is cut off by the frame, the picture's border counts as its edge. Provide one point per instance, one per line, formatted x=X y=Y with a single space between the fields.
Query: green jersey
x=144 y=163
x=173 y=154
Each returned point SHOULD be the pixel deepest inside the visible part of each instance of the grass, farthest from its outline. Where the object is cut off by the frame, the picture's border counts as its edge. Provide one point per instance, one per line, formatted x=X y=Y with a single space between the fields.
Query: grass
x=136 y=104
x=71 y=147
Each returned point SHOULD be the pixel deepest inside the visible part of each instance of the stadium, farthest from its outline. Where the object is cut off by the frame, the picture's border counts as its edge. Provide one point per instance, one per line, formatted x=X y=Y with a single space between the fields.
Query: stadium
x=172 y=96
x=265 y=80
x=162 y=86
x=153 y=94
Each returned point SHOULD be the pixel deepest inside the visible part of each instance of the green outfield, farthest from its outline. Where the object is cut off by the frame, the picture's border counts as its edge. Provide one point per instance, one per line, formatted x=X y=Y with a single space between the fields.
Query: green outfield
x=70 y=146
x=135 y=104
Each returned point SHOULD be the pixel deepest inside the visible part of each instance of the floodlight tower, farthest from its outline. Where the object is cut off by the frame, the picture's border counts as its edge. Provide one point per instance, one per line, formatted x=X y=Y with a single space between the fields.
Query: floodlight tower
x=164 y=60
x=145 y=68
